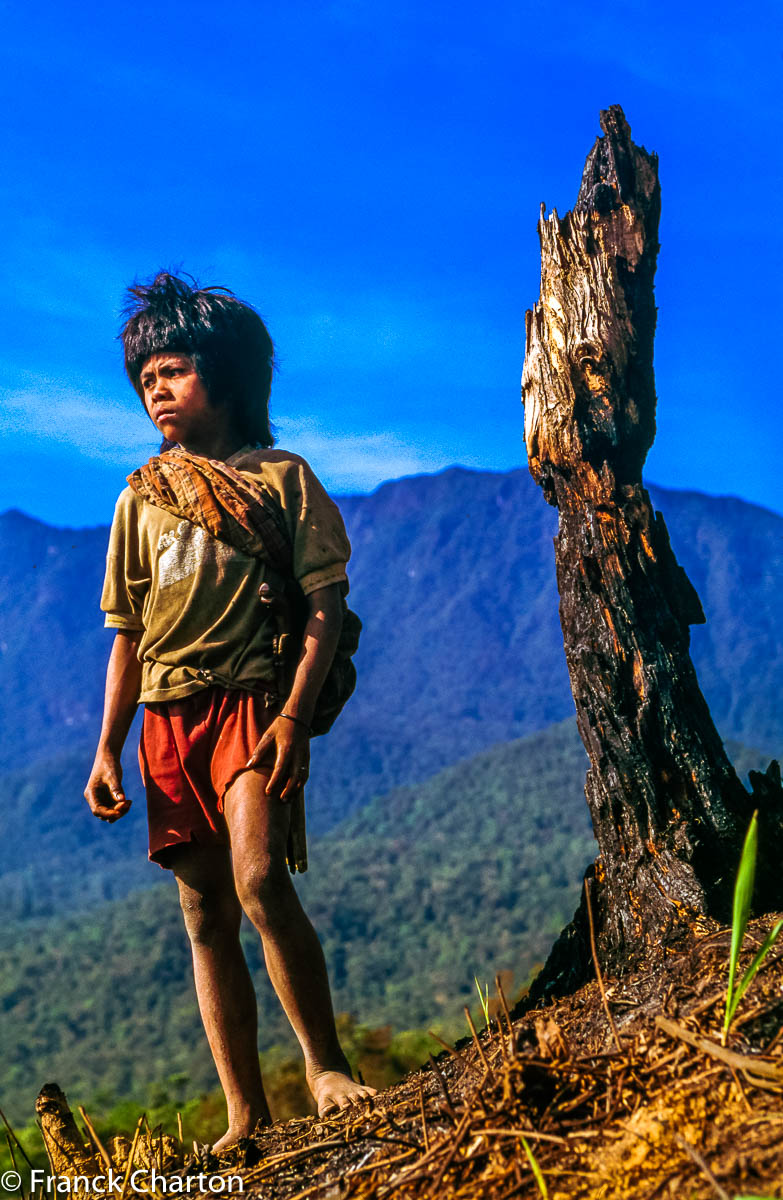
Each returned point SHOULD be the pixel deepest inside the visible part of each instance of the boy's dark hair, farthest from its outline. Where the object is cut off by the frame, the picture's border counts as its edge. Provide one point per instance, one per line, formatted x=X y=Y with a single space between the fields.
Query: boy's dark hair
x=227 y=340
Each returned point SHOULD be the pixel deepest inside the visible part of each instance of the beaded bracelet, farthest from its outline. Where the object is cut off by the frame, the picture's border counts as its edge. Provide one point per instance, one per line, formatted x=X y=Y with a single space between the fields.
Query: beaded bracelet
x=297 y=721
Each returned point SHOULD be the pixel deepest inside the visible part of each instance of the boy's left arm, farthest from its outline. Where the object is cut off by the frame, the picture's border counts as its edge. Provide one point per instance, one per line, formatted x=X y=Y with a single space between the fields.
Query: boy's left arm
x=290 y=737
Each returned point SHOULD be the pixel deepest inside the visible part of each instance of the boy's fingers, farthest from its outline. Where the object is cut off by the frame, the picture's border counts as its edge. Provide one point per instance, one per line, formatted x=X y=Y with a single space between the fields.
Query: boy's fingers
x=107 y=814
x=297 y=778
x=99 y=794
x=273 y=785
x=260 y=750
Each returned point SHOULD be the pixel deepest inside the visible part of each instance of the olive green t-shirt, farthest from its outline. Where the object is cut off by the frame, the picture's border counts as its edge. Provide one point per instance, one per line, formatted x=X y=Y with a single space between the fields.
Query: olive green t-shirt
x=195 y=599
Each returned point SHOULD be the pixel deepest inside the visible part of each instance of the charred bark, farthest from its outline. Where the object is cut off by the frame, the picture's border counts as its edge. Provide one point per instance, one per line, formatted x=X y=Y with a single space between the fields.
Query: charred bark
x=668 y=810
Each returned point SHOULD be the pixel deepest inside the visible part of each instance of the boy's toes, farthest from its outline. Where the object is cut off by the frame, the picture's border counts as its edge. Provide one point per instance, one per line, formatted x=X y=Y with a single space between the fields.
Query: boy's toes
x=333 y=1091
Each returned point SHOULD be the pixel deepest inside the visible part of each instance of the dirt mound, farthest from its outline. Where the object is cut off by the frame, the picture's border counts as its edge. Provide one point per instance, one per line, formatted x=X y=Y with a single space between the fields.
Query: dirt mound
x=553 y=1104
x=629 y=1097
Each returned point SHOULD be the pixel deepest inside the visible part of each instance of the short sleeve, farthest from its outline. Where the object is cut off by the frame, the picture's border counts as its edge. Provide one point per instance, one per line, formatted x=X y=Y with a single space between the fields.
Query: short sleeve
x=126 y=581
x=321 y=546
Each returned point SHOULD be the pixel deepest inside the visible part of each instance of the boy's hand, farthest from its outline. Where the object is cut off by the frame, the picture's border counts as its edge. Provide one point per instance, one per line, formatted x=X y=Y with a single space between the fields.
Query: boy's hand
x=291 y=744
x=104 y=792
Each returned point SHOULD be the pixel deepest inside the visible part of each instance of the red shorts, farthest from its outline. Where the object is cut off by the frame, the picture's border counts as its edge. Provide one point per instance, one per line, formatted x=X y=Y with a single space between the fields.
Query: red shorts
x=190 y=753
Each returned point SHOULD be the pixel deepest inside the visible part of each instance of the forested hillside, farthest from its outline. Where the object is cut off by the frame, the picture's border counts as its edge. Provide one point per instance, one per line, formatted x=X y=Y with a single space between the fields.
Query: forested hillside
x=473 y=872
x=55 y=854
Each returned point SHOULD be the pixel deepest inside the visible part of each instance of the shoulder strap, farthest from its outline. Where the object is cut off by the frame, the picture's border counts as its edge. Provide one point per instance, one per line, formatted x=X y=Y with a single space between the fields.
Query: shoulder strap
x=219 y=499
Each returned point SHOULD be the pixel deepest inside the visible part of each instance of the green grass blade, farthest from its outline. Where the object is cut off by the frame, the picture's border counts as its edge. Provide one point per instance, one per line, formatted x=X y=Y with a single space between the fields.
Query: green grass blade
x=747 y=978
x=534 y=1167
x=743 y=893
x=483 y=999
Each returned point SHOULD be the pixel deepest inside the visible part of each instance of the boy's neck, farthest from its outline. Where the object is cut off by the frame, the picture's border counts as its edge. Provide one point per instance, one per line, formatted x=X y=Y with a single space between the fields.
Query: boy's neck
x=219 y=443
x=221 y=452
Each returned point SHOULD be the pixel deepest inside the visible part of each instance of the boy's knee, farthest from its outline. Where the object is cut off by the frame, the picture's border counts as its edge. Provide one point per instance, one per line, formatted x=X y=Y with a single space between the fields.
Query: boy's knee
x=262 y=885
x=209 y=916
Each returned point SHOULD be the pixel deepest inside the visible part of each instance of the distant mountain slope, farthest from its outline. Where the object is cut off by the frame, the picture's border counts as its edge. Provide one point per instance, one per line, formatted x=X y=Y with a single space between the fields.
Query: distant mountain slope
x=52 y=648
x=453 y=575
x=733 y=553
x=57 y=858
x=56 y=855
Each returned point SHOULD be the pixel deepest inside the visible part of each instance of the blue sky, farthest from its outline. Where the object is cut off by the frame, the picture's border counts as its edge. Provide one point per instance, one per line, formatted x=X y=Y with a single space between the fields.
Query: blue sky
x=368 y=174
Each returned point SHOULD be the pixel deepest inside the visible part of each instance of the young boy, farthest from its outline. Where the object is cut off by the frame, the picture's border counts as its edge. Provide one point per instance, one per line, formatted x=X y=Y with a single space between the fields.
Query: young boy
x=224 y=755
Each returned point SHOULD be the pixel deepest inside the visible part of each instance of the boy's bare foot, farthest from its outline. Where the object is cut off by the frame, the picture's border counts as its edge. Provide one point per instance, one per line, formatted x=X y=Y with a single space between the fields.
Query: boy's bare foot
x=235 y=1132
x=333 y=1090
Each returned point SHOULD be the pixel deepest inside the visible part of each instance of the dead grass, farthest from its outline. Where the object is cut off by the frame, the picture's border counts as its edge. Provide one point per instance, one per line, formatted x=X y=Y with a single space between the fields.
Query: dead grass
x=658 y=1110
x=658 y=1118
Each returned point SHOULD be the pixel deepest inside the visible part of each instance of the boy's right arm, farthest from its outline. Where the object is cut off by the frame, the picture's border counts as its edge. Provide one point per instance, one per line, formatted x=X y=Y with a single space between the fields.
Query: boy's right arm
x=104 y=792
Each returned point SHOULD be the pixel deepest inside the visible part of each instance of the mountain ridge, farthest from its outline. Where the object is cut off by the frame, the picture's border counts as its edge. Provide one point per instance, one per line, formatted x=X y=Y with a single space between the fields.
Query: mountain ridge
x=453 y=575
x=455 y=468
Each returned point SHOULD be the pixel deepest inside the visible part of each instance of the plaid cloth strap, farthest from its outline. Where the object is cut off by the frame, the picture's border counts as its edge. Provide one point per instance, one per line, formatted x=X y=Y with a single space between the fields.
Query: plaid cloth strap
x=219 y=499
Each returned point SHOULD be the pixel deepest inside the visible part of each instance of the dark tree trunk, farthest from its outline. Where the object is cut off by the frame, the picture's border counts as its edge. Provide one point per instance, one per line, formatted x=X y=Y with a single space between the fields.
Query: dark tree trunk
x=668 y=810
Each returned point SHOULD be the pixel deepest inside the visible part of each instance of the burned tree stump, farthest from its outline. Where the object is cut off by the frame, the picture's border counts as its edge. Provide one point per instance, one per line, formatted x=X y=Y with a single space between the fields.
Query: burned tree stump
x=668 y=810
x=69 y=1155
x=74 y=1159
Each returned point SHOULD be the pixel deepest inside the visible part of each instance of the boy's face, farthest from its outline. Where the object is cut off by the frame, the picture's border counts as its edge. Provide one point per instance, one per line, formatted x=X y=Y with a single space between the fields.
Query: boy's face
x=177 y=401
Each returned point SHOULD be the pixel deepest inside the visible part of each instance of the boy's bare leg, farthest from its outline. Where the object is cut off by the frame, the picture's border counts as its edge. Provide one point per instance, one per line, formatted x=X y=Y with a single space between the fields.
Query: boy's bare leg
x=258 y=827
x=224 y=989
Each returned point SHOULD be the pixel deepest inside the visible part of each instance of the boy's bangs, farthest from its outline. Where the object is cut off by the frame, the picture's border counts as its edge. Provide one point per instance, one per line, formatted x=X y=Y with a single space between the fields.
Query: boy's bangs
x=226 y=339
